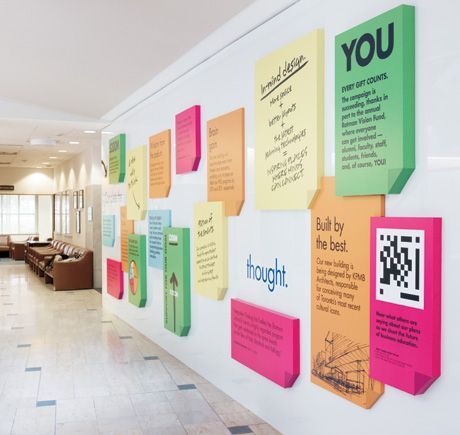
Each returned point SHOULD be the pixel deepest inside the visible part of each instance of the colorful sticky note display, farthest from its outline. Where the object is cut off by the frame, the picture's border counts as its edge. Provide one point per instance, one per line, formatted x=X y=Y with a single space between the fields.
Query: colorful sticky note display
x=117 y=159
x=406 y=302
x=108 y=230
x=176 y=275
x=289 y=124
x=266 y=341
x=160 y=164
x=188 y=140
x=126 y=228
x=375 y=104
x=157 y=221
x=137 y=275
x=340 y=238
x=226 y=161
x=211 y=250
x=115 y=282
x=137 y=183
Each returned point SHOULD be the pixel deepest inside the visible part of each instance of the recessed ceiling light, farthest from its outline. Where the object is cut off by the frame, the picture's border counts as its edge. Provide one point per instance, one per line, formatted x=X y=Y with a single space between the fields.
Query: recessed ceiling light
x=39 y=167
x=45 y=163
x=106 y=132
x=42 y=141
x=52 y=157
x=74 y=142
x=89 y=131
x=62 y=151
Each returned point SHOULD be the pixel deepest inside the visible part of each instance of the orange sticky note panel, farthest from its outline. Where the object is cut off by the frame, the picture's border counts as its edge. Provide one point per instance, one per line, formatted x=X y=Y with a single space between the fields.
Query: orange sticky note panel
x=226 y=181
x=126 y=228
x=340 y=272
x=160 y=164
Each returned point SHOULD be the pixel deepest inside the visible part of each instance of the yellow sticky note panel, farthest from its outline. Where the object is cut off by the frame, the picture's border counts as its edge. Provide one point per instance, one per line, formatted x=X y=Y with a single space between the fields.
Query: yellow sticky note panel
x=211 y=249
x=137 y=183
x=289 y=124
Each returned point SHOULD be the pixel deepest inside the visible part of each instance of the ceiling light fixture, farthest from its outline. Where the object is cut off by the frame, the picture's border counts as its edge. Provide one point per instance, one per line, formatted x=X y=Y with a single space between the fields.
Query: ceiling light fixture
x=62 y=151
x=74 y=142
x=42 y=141
x=89 y=131
x=52 y=157
x=106 y=132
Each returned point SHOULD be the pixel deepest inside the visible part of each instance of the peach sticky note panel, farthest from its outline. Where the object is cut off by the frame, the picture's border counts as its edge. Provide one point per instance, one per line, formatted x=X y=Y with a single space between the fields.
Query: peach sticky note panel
x=137 y=183
x=115 y=282
x=406 y=302
x=226 y=178
x=160 y=164
x=211 y=249
x=340 y=239
x=289 y=124
x=188 y=140
x=126 y=228
x=266 y=341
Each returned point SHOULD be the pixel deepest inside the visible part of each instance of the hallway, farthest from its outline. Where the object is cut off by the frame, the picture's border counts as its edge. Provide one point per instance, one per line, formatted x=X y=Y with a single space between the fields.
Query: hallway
x=67 y=367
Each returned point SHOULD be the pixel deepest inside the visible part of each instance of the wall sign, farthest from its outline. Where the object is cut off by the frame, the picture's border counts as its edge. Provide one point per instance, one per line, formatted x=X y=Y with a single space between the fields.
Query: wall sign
x=108 y=229
x=126 y=228
x=188 y=140
x=226 y=172
x=266 y=341
x=117 y=159
x=115 y=282
x=375 y=104
x=406 y=302
x=176 y=276
x=340 y=238
x=289 y=124
x=160 y=164
x=158 y=220
x=137 y=183
x=137 y=275
x=211 y=250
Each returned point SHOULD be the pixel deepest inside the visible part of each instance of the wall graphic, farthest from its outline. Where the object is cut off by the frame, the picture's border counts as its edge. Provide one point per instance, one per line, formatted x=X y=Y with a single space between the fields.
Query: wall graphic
x=375 y=104
x=188 y=140
x=160 y=164
x=108 y=230
x=137 y=183
x=211 y=250
x=137 y=275
x=226 y=171
x=115 y=282
x=266 y=341
x=117 y=159
x=289 y=124
x=406 y=302
x=176 y=276
x=340 y=238
x=157 y=221
x=126 y=228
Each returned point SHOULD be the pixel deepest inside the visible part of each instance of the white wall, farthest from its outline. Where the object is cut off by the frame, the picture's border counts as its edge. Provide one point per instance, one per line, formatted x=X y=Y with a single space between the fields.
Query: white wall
x=45 y=216
x=224 y=83
x=28 y=180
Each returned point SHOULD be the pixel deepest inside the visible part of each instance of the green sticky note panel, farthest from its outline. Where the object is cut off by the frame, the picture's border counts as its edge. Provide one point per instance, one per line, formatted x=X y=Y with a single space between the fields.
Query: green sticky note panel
x=176 y=275
x=117 y=159
x=375 y=104
x=137 y=269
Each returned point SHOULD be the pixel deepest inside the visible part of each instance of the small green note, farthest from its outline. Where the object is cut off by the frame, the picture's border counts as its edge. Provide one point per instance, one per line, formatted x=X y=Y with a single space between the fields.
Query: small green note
x=117 y=159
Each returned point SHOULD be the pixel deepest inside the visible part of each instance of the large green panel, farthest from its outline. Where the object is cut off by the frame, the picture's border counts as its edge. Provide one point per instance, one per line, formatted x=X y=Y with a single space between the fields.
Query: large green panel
x=375 y=104
x=137 y=262
x=177 y=280
x=117 y=159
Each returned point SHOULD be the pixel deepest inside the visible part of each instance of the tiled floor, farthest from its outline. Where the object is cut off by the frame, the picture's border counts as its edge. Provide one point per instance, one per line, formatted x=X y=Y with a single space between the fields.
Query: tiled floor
x=67 y=367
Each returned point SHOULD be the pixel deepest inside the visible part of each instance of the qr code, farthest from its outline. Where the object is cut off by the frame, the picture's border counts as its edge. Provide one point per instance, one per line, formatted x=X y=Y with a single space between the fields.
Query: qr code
x=400 y=267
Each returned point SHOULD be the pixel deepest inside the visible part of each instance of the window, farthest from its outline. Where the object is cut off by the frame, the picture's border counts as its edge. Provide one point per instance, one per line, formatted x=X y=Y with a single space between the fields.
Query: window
x=57 y=213
x=18 y=214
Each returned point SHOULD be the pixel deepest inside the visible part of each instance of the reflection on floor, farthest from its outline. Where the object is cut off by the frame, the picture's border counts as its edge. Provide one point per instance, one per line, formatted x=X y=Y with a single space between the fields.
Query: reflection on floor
x=68 y=367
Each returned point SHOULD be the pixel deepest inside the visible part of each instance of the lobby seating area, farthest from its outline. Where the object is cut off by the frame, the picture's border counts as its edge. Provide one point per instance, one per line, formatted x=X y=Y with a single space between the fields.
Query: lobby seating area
x=66 y=266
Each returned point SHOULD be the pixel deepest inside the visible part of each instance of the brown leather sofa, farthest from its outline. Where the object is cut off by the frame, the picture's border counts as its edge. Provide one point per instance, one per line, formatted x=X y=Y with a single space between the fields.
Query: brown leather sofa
x=17 y=249
x=66 y=266
x=5 y=241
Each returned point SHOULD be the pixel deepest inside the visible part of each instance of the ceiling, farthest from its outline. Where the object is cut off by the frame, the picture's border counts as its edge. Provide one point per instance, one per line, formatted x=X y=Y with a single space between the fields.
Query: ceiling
x=86 y=56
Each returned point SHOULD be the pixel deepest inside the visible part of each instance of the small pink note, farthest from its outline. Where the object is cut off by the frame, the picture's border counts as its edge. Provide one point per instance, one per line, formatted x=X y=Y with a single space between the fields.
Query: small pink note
x=266 y=341
x=188 y=140
x=115 y=283
x=405 y=340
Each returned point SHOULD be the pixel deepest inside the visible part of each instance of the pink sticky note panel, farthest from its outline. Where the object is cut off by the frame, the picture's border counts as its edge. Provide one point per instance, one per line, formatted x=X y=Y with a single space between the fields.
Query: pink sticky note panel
x=405 y=341
x=188 y=140
x=115 y=282
x=266 y=341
